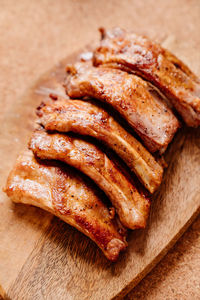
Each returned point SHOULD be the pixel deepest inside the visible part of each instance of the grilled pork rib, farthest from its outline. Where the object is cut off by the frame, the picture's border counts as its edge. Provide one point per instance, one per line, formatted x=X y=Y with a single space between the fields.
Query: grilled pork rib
x=86 y=118
x=132 y=206
x=56 y=188
x=137 y=54
x=131 y=96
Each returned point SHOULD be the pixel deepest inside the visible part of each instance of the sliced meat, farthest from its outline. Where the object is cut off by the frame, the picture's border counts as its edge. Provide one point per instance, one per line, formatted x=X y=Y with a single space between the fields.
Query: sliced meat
x=132 y=206
x=56 y=188
x=137 y=54
x=131 y=96
x=84 y=117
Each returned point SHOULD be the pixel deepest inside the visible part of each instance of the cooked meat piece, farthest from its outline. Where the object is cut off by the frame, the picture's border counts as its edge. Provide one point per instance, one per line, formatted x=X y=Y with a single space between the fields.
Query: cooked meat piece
x=57 y=189
x=132 y=206
x=88 y=119
x=137 y=54
x=179 y=64
x=131 y=96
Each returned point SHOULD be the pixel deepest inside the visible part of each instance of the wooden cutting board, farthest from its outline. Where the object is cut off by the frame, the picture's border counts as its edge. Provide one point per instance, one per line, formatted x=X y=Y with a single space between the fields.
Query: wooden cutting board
x=41 y=257
x=50 y=259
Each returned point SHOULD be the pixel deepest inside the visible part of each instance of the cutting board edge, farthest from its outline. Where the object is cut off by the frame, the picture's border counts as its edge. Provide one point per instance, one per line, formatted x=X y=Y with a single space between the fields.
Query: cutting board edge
x=147 y=270
x=158 y=258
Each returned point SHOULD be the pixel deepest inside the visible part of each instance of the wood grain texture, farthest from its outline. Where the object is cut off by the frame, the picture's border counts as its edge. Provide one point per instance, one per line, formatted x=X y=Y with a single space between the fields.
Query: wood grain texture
x=176 y=276
x=40 y=256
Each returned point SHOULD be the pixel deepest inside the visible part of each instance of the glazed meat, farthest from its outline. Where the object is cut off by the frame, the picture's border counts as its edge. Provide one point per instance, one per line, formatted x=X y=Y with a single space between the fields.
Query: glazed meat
x=131 y=96
x=132 y=206
x=56 y=188
x=86 y=118
x=137 y=54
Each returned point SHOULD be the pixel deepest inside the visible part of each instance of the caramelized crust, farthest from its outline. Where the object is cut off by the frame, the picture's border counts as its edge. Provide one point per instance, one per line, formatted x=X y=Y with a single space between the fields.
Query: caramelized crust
x=137 y=54
x=57 y=189
x=132 y=206
x=131 y=96
x=85 y=118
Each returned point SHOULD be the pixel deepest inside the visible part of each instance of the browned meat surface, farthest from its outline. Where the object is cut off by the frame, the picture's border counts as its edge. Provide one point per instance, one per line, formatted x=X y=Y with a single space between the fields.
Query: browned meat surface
x=56 y=188
x=132 y=206
x=131 y=96
x=137 y=54
x=84 y=117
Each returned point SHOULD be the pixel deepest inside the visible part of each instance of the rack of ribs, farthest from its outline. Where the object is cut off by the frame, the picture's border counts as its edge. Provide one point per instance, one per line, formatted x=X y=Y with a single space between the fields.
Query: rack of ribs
x=137 y=54
x=131 y=205
x=86 y=118
x=56 y=188
x=136 y=100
